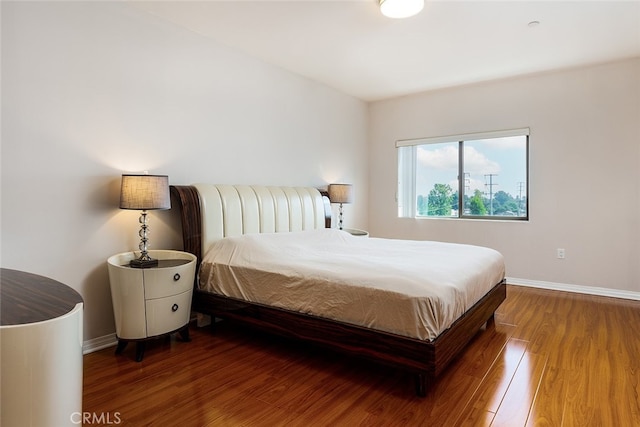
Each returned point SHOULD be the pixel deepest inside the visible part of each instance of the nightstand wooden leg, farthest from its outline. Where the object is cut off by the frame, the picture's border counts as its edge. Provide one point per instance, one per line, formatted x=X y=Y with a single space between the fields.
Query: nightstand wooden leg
x=184 y=334
x=421 y=385
x=122 y=344
x=139 y=351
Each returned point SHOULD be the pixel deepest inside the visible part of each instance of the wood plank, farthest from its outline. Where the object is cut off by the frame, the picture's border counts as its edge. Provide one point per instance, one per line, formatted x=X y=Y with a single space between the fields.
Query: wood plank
x=515 y=406
x=494 y=385
x=548 y=407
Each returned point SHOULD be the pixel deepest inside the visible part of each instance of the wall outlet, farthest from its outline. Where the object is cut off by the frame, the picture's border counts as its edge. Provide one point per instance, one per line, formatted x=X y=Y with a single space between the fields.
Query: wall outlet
x=560 y=252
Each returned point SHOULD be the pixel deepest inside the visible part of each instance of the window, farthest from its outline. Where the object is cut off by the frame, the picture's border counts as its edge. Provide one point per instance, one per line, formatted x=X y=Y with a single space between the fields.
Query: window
x=493 y=166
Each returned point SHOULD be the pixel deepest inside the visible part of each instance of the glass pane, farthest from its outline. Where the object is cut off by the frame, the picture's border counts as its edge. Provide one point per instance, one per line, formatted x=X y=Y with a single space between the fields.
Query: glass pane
x=495 y=177
x=437 y=180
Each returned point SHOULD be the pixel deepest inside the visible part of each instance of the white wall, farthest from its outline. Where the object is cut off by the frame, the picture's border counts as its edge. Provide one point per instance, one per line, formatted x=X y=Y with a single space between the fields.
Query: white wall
x=91 y=90
x=584 y=171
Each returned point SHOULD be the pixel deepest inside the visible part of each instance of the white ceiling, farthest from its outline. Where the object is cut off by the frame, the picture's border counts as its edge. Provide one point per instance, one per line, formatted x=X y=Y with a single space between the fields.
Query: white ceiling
x=349 y=45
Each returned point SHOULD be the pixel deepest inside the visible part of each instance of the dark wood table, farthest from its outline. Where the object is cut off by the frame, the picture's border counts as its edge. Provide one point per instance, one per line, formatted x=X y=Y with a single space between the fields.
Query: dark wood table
x=41 y=351
x=29 y=298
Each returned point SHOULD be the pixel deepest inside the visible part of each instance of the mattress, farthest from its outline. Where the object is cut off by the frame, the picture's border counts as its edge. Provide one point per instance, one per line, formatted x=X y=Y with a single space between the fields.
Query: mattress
x=411 y=288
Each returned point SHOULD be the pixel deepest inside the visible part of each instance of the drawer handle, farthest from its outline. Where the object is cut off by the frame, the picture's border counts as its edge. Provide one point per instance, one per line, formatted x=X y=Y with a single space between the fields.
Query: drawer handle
x=174 y=307
x=176 y=277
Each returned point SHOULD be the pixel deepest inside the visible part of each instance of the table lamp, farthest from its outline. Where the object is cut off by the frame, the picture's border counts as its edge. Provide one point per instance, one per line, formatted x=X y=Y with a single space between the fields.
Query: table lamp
x=340 y=193
x=144 y=192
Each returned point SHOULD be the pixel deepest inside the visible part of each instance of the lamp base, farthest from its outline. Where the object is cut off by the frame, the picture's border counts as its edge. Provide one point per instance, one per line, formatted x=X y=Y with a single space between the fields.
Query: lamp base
x=143 y=263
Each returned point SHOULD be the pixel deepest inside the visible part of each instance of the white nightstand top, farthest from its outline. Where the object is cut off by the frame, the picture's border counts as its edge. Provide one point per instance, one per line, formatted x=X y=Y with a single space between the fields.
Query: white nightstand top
x=356 y=232
x=122 y=259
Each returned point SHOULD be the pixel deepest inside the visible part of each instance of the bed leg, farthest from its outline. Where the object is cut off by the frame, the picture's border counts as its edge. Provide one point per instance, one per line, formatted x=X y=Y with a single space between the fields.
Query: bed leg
x=421 y=385
x=492 y=319
x=203 y=320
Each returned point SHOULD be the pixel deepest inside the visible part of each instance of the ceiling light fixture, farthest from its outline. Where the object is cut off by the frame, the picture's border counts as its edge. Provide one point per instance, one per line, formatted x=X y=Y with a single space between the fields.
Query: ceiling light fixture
x=401 y=8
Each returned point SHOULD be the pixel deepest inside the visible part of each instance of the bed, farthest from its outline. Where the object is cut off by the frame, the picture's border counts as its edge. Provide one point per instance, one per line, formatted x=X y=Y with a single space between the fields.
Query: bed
x=233 y=229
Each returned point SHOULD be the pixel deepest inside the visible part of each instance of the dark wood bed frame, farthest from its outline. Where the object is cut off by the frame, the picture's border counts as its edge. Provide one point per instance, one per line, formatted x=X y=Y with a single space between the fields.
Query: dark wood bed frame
x=425 y=359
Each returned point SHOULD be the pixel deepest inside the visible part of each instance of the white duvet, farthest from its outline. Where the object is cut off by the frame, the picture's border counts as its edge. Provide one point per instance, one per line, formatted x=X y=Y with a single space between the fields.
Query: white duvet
x=411 y=288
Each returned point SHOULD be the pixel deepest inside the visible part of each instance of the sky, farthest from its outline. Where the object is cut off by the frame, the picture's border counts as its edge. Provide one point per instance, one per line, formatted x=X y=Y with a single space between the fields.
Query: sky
x=504 y=158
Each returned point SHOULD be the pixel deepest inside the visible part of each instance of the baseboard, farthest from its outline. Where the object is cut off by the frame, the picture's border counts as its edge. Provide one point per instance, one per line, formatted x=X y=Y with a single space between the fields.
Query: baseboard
x=589 y=290
x=99 y=343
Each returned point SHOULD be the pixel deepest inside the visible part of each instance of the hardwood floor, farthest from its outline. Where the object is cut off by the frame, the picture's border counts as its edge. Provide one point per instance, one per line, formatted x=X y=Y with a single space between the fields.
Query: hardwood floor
x=550 y=359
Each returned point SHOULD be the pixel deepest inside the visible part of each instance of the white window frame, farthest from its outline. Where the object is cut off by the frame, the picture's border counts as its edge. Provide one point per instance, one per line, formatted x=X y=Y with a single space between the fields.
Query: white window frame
x=406 y=190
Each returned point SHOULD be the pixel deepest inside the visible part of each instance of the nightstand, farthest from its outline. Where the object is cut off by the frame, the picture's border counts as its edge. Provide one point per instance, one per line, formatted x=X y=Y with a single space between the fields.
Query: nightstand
x=151 y=302
x=355 y=232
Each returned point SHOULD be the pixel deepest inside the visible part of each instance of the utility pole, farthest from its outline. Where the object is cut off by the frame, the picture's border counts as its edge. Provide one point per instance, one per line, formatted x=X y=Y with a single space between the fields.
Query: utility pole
x=520 y=188
x=490 y=185
x=467 y=188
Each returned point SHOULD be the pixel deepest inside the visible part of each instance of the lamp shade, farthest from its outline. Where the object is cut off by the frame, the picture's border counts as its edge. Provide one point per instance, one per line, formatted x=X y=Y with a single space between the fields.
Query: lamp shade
x=145 y=192
x=401 y=8
x=340 y=193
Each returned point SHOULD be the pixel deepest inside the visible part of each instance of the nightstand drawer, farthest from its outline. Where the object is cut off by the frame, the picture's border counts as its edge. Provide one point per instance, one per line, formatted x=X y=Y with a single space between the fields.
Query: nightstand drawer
x=168 y=314
x=163 y=282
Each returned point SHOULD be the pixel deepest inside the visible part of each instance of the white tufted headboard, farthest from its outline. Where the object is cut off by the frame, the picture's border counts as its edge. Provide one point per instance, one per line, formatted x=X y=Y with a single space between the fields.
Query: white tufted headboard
x=232 y=210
